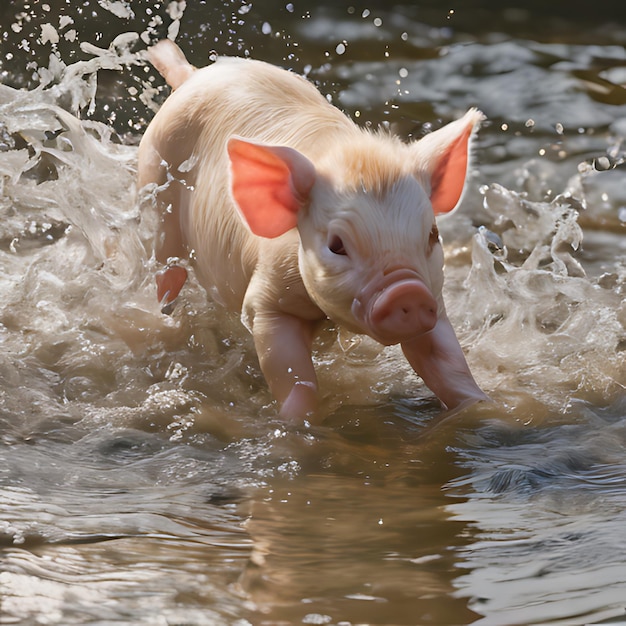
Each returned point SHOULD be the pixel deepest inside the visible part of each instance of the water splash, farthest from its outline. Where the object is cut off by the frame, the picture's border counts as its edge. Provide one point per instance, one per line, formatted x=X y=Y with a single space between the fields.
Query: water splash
x=533 y=316
x=530 y=316
x=120 y=425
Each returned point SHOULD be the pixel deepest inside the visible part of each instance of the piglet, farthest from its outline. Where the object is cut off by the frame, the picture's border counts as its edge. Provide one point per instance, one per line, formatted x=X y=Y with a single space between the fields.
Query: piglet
x=293 y=214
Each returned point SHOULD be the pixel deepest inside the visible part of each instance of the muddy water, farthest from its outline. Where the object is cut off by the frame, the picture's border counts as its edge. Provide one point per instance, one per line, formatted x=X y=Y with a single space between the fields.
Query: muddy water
x=144 y=475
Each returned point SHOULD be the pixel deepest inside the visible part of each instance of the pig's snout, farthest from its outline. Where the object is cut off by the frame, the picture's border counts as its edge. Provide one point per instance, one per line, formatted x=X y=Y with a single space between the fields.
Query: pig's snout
x=402 y=311
x=397 y=308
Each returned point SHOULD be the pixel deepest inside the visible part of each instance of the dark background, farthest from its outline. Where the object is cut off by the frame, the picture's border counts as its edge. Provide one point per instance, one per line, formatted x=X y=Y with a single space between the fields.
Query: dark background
x=222 y=27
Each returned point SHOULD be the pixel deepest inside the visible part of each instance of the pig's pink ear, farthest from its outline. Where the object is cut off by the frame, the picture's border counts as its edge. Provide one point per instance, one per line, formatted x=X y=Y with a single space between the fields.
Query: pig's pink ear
x=444 y=154
x=270 y=184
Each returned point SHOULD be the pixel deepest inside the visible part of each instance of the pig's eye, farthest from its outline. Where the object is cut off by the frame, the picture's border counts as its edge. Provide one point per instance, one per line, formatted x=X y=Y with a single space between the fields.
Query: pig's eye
x=335 y=245
x=433 y=238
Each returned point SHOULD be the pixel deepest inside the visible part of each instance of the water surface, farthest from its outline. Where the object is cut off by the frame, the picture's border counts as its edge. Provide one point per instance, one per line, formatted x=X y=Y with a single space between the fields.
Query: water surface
x=144 y=475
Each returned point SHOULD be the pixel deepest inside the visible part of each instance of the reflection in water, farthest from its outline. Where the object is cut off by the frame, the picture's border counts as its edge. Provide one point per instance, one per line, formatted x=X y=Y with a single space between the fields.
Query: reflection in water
x=361 y=534
x=144 y=476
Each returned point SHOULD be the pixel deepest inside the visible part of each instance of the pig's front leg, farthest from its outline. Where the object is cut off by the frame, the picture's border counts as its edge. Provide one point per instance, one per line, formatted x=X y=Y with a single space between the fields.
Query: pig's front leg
x=283 y=344
x=438 y=359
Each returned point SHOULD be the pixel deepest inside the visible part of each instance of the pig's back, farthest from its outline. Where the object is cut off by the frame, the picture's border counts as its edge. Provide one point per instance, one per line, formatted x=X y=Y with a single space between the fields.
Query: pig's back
x=260 y=101
x=250 y=99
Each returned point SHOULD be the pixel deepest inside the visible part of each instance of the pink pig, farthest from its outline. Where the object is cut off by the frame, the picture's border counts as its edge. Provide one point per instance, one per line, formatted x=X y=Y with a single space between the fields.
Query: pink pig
x=293 y=214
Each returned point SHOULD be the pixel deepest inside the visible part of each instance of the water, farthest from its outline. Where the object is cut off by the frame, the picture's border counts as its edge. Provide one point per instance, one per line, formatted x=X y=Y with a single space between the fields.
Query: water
x=144 y=475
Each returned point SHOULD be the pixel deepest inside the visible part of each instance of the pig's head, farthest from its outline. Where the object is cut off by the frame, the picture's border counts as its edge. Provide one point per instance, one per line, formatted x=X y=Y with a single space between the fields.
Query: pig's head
x=370 y=255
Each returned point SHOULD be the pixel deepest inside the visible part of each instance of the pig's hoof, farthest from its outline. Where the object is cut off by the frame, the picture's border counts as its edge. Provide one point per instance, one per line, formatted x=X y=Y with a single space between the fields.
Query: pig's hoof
x=170 y=281
x=168 y=309
x=301 y=403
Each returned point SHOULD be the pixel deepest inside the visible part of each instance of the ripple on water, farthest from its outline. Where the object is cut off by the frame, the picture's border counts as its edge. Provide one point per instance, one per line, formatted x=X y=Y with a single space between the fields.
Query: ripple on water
x=143 y=475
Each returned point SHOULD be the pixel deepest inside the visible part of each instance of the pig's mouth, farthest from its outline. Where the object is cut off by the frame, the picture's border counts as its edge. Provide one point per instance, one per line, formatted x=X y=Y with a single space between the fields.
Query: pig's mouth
x=395 y=307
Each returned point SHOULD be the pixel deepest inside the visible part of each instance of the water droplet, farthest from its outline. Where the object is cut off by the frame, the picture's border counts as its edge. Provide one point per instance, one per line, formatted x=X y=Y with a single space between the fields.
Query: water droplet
x=602 y=164
x=317 y=618
x=493 y=243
